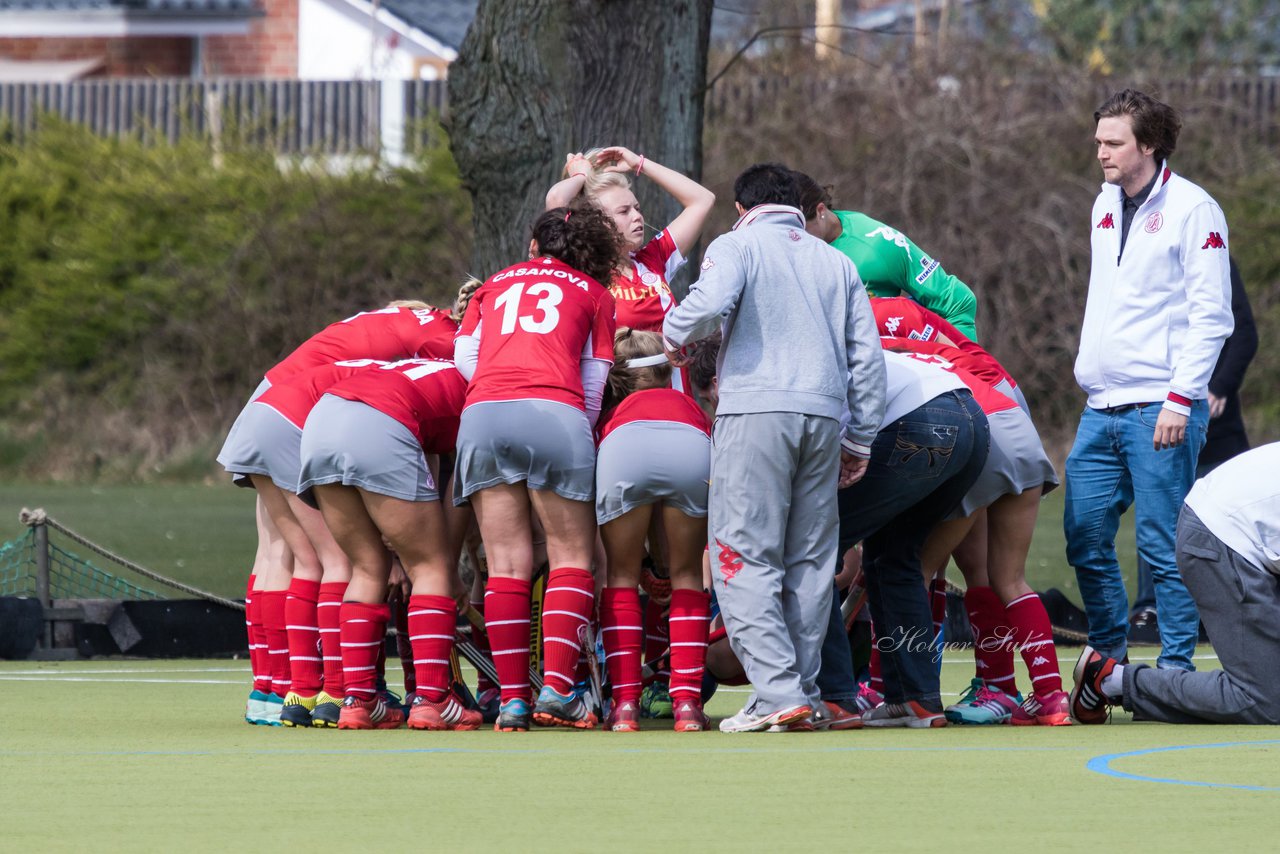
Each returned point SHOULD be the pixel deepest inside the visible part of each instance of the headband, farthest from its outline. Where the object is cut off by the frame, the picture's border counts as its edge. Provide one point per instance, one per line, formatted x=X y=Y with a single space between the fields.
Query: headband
x=646 y=361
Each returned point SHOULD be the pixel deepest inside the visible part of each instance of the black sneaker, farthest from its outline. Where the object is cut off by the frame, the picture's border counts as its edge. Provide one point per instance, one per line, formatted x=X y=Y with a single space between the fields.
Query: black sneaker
x=1088 y=702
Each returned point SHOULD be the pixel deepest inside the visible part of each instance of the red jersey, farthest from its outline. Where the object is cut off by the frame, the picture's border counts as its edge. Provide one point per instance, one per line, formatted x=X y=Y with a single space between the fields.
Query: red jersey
x=654 y=404
x=387 y=334
x=425 y=395
x=295 y=396
x=643 y=300
x=902 y=317
x=536 y=322
x=949 y=358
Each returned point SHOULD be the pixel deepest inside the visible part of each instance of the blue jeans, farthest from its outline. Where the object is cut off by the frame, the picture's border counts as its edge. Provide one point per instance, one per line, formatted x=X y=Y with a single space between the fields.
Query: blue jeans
x=1112 y=466
x=921 y=466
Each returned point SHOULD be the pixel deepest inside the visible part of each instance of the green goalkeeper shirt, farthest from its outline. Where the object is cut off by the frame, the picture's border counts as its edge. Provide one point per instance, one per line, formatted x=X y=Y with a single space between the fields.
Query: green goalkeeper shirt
x=890 y=265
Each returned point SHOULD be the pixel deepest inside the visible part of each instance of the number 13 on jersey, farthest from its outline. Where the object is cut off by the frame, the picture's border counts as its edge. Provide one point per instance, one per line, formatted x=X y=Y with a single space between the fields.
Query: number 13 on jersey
x=539 y=318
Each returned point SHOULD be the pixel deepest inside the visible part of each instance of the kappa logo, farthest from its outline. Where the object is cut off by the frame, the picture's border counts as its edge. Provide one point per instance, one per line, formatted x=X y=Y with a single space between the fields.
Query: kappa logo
x=891 y=325
x=1107 y=222
x=707 y=264
x=793 y=235
x=1153 y=223
x=1214 y=242
x=1038 y=660
x=730 y=562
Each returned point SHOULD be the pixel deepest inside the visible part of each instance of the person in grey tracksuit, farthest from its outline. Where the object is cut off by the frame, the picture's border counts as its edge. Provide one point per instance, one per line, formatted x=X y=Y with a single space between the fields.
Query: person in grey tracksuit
x=800 y=345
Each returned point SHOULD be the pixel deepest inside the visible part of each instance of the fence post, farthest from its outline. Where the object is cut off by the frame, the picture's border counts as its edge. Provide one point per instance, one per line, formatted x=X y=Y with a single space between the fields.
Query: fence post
x=41 y=531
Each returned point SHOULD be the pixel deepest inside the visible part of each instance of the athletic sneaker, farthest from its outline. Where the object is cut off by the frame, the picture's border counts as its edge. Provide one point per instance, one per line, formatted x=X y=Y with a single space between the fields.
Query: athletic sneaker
x=256 y=710
x=325 y=714
x=624 y=717
x=448 y=713
x=868 y=698
x=392 y=699
x=912 y=713
x=982 y=705
x=1088 y=702
x=655 y=701
x=838 y=714
x=272 y=708
x=369 y=714
x=690 y=717
x=1050 y=710
x=745 y=721
x=489 y=701
x=297 y=709
x=568 y=710
x=513 y=716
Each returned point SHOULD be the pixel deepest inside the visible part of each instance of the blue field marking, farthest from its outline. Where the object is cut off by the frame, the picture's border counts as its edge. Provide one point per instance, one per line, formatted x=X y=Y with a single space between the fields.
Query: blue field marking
x=1102 y=765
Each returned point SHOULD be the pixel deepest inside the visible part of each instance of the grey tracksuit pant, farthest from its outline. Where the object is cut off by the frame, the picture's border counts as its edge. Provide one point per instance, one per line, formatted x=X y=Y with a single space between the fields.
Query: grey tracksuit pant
x=1240 y=606
x=772 y=534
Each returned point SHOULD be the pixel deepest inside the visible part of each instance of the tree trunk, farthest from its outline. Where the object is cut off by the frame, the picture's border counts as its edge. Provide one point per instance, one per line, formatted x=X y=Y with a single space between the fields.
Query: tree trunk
x=536 y=79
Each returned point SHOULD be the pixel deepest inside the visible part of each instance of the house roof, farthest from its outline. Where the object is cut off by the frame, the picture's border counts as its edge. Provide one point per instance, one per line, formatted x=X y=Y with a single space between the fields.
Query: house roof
x=444 y=20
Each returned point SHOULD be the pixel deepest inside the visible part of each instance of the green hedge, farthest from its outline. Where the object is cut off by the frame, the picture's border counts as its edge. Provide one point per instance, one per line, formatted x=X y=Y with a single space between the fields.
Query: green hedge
x=144 y=289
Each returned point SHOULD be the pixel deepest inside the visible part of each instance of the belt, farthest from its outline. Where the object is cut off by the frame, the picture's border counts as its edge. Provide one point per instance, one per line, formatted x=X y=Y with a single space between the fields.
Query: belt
x=1116 y=410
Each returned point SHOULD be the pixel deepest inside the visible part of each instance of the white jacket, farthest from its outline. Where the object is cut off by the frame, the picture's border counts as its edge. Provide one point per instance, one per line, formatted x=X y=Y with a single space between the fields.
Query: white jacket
x=1155 y=321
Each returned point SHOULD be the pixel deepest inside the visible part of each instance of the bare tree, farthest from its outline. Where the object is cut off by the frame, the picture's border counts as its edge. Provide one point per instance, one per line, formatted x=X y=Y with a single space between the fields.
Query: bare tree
x=536 y=79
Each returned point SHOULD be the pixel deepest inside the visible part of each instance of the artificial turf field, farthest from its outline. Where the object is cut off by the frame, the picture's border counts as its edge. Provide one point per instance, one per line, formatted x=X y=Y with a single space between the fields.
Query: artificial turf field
x=126 y=755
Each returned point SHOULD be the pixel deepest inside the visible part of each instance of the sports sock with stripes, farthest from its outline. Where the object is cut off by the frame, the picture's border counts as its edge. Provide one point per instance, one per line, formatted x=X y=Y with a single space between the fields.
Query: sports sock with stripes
x=305 y=665
x=566 y=608
x=506 y=611
x=432 y=622
x=481 y=642
x=273 y=623
x=364 y=628
x=1034 y=636
x=657 y=633
x=992 y=639
x=259 y=661
x=620 y=619
x=329 y=619
x=689 y=622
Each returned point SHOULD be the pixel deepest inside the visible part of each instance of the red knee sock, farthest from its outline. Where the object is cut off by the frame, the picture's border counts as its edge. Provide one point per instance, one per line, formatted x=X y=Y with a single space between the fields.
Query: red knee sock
x=1034 y=636
x=259 y=661
x=657 y=634
x=364 y=628
x=874 y=673
x=404 y=647
x=329 y=619
x=481 y=642
x=938 y=603
x=432 y=622
x=690 y=612
x=305 y=665
x=273 y=622
x=566 y=608
x=506 y=610
x=621 y=618
x=992 y=639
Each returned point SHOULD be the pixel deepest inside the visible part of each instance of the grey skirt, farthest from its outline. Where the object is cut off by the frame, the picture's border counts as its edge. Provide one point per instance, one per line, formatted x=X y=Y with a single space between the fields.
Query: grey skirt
x=353 y=444
x=1017 y=462
x=647 y=461
x=264 y=442
x=232 y=445
x=544 y=444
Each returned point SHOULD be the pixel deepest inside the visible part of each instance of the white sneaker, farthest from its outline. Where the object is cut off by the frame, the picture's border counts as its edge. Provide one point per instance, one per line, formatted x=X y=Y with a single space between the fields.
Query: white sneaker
x=745 y=721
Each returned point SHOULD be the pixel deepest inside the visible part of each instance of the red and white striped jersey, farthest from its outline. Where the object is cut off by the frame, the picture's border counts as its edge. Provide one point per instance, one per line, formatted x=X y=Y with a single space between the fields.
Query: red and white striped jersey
x=425 y=395
x=654 y=404
x=295 y=396
x=950 y=359
x=386 y=334
x=536 y=322
x=644 y=300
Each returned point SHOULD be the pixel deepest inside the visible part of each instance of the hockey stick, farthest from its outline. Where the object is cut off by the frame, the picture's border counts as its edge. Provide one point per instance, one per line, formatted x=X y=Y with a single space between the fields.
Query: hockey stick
x=473 y=616
x=595 y=694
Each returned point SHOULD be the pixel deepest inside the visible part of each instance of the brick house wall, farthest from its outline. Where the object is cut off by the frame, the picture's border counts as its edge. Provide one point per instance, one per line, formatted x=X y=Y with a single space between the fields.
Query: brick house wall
x=270 y=49
x=123 y=57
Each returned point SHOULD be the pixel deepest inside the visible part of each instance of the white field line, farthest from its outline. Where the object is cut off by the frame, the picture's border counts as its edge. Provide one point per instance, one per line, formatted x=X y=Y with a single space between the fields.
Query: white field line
x=92 y=679
x=97 y=672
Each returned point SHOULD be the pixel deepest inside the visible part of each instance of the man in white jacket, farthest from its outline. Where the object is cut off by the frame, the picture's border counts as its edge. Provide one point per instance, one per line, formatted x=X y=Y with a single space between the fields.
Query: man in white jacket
x=1159 y=308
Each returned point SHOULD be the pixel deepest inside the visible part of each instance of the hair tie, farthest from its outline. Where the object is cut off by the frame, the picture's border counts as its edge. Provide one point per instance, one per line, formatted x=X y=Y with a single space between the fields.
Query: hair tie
x=640 y=166
x=646 y=361
x=567 y=214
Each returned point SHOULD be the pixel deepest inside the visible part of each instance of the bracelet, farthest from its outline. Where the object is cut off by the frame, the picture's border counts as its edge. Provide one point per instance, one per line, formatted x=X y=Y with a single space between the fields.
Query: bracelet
x=640 y=166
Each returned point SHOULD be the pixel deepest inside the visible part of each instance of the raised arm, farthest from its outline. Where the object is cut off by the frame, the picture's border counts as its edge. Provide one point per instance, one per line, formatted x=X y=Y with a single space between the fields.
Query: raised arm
x=696 y=199
x=577 y=168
